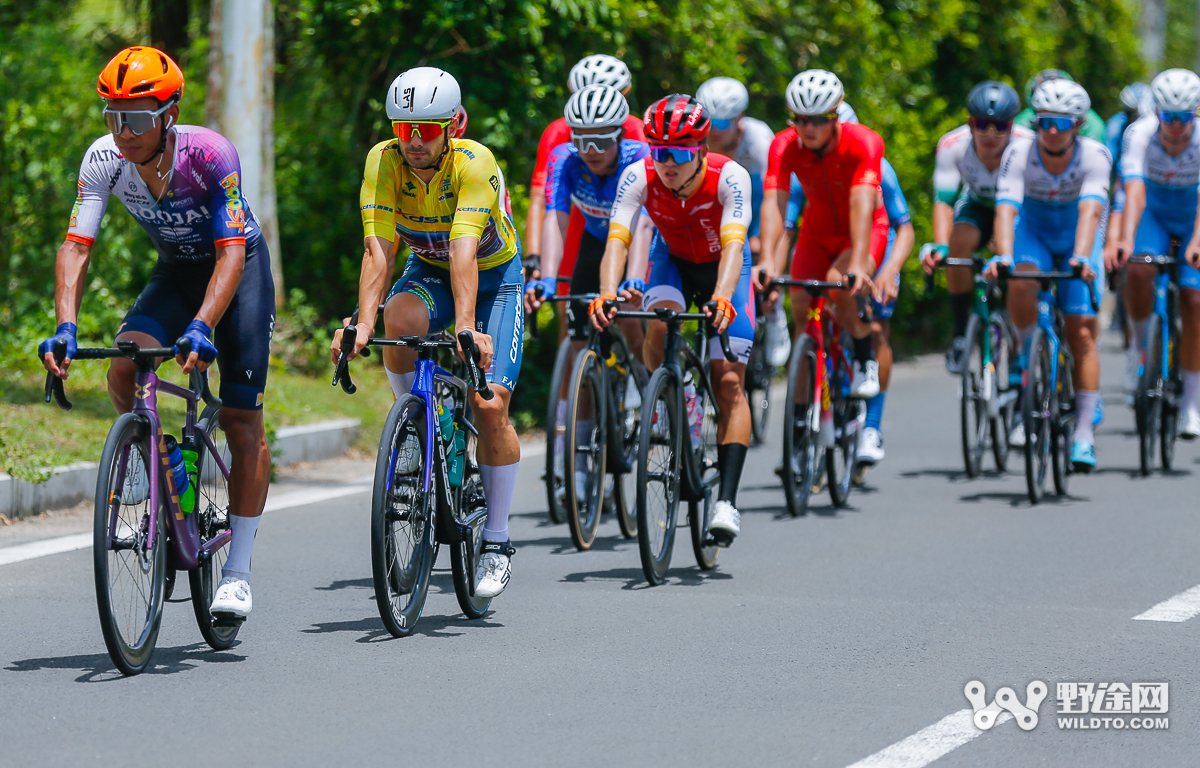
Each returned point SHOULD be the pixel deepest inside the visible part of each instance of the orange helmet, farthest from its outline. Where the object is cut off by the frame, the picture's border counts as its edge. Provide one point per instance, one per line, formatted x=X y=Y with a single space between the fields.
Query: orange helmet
x=141 y=71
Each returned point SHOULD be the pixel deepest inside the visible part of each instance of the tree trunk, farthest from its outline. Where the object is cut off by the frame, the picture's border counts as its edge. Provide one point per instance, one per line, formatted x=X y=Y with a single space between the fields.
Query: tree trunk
x=1154 y=33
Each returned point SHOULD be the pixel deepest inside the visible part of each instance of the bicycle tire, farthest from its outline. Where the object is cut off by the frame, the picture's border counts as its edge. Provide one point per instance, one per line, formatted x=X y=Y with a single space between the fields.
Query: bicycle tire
x=841 y=457
x=212 y=518
x=1063 y=426
x=973 y=422
x=1148 y=398
x=758 y=388
x=584 y=506
x=800 y=456
x=1003 y=350
x=401 y=574
x=472 y=513
x=129 y=619
x=554 y=431
x=1038 y=407
x=658 y=464
x=627 y=418
x=700 y=512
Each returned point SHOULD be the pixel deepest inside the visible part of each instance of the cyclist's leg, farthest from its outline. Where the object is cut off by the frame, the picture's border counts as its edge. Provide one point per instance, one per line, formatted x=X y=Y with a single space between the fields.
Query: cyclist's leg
x=1082 y=329
x=1138 y=291
x=811 y=259
x=866 y=366
x=664 y=288
x=1030 y=254
x=585 y=278
x=870 y=446
x=1189 y=343
x=419 y=303
x=972 y=229
x=160 y=315
x=728 y=380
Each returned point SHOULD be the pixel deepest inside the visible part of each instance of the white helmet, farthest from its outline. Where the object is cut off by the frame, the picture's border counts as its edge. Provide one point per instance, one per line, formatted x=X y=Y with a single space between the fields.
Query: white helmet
x=724 y=97
x=424 y=93
x=814 y=92
x=599 y=68
x=846 y=113
x=596 y=106
x=1176 y=90
x=1061 y=97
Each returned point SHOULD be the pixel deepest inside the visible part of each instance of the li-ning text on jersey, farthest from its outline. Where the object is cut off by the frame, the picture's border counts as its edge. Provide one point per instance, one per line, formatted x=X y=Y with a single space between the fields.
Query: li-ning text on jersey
x=201 y=210
x=570 y=181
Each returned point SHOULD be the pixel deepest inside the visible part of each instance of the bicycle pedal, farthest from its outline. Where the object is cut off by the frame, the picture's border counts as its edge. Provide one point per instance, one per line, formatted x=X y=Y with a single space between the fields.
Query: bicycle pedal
x=718 y=540
x=227 y=620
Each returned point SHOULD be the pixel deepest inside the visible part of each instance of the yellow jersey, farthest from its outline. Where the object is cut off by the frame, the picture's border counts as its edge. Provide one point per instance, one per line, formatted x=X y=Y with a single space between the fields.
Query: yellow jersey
x=465 y=197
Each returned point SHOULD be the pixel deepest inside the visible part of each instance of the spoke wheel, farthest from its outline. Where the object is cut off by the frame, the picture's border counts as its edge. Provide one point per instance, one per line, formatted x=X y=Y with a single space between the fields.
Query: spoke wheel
x=1003 y=351
x=627 y=394
x=402 y=550
x=1062 y=427
x=130 y=568
x=555 y=428
x=848 y=418
x=800 y=427
x=658 y=475
x=700 y=512
x=464 y=556
x=586 y=453
x=1038 y=407
x=212 y=519
x=1148 y=400
x=973 y=398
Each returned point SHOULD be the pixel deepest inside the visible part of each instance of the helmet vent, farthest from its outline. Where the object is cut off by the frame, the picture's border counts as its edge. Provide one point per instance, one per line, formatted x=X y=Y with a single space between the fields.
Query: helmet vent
x=121 y=72
x=433 y=95
x=141 y=88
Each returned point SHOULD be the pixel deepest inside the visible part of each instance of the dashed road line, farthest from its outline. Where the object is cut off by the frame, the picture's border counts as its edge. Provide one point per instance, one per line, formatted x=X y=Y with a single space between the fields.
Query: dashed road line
x=928 y=744
x=1179 y=608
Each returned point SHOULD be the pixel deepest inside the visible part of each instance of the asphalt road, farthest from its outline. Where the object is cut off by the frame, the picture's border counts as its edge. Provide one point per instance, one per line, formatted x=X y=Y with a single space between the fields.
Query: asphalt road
x=818 y=641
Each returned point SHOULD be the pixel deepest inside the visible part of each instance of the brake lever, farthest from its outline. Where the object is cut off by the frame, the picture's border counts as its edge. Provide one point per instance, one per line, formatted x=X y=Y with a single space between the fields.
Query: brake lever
x=341 y=371
x=54 y=385
x=471 y=355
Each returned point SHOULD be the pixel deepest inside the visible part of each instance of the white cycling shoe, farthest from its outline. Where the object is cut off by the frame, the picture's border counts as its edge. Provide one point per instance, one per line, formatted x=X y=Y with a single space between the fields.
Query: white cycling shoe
x=865 y=383
x=1016 y=435
x=409 y=459
x=494 y=569
x=1190 y=428
x=779 y=342
x=233 y=598
x=870 y=447
x=726 y=523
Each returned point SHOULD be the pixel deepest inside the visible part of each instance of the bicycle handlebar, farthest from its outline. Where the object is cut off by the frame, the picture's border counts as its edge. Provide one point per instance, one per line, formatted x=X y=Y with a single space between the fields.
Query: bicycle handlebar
x=198 y=381
x=1076 y=273
x=675 y=319
x=948 y=262
x=818 y=287
x=472 y=355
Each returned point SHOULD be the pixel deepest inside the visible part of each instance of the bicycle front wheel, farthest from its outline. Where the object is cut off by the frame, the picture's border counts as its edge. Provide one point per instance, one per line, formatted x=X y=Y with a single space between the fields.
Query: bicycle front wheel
x=555 y=427
x=585 y=452
x=973 y=400
x=212 y=519
x=848 y=418
x=658 y=475
x=130 y=565
x=1003 y=353
x=464 y=556
x=800 y=430
x=402 y=503
x=1039 y=407
x=1147 y=401
x=623 y=436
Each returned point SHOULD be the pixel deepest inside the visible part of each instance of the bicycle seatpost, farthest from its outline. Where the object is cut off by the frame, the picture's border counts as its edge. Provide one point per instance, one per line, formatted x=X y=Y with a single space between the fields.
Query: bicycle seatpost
x=471 y=354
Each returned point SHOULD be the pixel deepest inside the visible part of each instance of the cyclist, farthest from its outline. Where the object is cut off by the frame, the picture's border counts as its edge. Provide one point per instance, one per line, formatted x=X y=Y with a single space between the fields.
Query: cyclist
x=699 y=203
x=211 y=284
x=1093 y=125
x=583 y=176
x=968 y=157
x=748 y=142
x=843 y=233
x=1160 y=164
x=1058 y=182
x=590 y=70
x=444 y=197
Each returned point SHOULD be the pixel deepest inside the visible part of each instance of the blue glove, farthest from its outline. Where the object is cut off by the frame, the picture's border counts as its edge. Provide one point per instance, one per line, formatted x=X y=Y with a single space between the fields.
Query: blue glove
x=636 y=285
x=200 y=336
x=66 y=332
x=549 y=287
x=1005 y=260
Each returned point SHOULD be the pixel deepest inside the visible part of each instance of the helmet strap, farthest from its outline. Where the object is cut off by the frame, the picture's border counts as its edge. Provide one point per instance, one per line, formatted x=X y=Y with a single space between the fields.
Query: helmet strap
x=160 y=153
x=678 y=193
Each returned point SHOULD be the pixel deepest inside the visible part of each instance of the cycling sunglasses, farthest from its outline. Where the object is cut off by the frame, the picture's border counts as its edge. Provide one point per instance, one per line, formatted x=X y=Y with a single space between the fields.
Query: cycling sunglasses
x=680 y=155
x=596 y=142
x=720 y=125
x=814 y=120
x=138 y=120
x=1063 y=124
x=428 y=130
x=981 y=124
x=1180 y=116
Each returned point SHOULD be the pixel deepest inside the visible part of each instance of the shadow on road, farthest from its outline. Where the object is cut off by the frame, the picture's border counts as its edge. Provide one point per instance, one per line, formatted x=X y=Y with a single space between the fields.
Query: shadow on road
x=98 y=667
x=374 y=631
x=562 y=545
x=1021 y=499
x=347 y=584
x=634 y=578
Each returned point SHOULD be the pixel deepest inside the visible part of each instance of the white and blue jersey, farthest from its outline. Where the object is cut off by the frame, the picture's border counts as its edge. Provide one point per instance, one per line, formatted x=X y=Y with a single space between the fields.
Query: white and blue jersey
x=1172 y=184
x=568 y=181
x=753 y=153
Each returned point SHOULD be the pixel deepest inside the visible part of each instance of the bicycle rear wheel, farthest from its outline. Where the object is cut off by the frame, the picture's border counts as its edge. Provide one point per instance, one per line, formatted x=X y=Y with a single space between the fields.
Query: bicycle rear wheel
x=212 y=519
x=130 y=568
x=585 y=453
x=758 y=385
x=626 y=397
x=402 y=503
x=554 y=434
x=1147 y=401
x=1003 y=353
x=700 y=512
x=658 y=475
x=800 y=427
x=1038 y=406
x=973 y=400
x=848 y=418
x=464 y=556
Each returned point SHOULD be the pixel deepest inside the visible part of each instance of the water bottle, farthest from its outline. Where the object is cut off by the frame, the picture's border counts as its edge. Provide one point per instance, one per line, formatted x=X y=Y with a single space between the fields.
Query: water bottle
x=693 y=408
x=190 y=453
x=456 y=443
x=179 y=472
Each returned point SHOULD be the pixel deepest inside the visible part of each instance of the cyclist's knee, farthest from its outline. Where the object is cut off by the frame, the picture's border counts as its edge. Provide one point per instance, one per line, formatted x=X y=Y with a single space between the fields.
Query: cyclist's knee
x=244 y=430
x=727 y=381
x=491 y=415
x=1081 y=332
x=406 y=315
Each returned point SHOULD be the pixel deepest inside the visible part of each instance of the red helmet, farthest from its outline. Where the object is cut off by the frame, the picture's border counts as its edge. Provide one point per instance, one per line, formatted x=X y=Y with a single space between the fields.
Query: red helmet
x=141 y=71
x=677 y=119
x=462 y=123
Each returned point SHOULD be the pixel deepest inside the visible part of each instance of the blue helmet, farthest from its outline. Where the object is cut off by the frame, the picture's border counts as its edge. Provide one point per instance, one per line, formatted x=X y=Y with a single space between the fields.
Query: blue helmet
x=993 y=99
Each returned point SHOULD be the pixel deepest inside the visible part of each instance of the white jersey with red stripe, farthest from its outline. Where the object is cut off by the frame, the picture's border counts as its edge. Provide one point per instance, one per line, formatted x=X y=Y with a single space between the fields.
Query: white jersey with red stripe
x=696 y=228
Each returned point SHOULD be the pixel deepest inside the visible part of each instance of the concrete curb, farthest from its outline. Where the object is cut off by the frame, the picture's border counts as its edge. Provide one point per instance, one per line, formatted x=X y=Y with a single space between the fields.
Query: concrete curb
x=72 y=483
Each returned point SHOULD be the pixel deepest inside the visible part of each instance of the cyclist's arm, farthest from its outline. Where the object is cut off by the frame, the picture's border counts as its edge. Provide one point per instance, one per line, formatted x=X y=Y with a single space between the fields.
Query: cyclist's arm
x=1010 y=193
x=464 y=281
x=1093 y=197
x=947 y=179
x=226 y=277
x=1192 y=249
x=1003 y=228
x=638 y=259
x=862 y=214
x=535 y=218
x=556 y=205
x=70 y=277
x=378 y=263
x=377 y=200
x=776 y=191
x=1085 y=231
x=1135 y=206
x=1133 y=173
x=943 y=222
x=627 y=208
x=553 y=237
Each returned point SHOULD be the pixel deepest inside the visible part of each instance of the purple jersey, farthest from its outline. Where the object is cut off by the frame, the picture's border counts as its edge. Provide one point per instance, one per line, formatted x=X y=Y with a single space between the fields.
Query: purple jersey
x=201 y=210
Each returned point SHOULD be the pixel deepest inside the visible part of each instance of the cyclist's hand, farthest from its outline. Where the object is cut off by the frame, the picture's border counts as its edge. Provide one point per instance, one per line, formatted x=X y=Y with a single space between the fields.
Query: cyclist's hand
x=602 y=317
x=64 y=332
x=886 y=285
x=202 y=353
x=991 y=270
x=762 y=275
x=1193 y=253
x=723 y=314
x=632 y=291
x=863 y=280
x=483 y=343
x=1116 y=253
x=361 y=336
x=1088 y=273
x=537 y=291
x=932 y=254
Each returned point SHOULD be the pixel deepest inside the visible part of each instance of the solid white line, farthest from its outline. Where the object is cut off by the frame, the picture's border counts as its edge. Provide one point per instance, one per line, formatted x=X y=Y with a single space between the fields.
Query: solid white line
x=928 y=744
x=1182 y=607
x=313 y=495
x=45 y=547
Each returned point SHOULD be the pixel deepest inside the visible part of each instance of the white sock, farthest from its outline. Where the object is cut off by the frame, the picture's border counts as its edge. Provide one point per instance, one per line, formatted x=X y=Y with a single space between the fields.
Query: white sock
x=1191 y=390
x=1139 y=333
x=499 y=487
x=1085 y=408
x=241 y=546
x=562 y=411
x=401 y=382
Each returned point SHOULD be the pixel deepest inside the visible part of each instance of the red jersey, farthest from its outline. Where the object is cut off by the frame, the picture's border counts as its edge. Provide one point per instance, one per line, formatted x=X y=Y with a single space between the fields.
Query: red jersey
x=827 y=178
x=559 y=132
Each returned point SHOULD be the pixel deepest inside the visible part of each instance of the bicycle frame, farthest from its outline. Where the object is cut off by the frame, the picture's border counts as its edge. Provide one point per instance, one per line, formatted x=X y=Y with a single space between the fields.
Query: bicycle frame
x=819 y=323
x=1166 y=306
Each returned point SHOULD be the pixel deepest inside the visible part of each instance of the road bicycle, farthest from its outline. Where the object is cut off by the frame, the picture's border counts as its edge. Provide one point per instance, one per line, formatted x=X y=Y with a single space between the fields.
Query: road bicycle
x=142 y=533
x=671 y=468
x=601 y=435
x=821 y=420
x=1160 y=386
x=427 y=491
x=759 y=375
x=555 y=425
x=988 y=394
x=1048 y=390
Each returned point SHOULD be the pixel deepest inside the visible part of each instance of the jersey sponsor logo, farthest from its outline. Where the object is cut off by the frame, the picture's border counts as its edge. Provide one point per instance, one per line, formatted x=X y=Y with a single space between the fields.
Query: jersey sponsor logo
x=104 y=155
x=369 y=206
x=470 y=155
x=429 y=219
x=408 y=95
x=870 y=177
x=199 y=179
x=495 y=182
x=258 y=400
x=233 y=205
x=170 y=218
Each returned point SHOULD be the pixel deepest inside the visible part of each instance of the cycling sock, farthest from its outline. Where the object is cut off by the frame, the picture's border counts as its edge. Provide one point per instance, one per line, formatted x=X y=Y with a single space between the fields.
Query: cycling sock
x=730 y=459
x=242 y=531
x=499 y=486
x=1139 y=332
x=1085 y=408
x=1191 y=389
x=960 y=311
x=875 y=411
x=560 y=418
x=863 y=350
x=401 y=382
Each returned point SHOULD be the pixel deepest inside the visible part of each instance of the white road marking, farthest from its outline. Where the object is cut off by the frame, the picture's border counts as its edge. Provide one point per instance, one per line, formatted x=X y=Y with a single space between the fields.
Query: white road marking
x=928 y=744
x=1182 y=607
